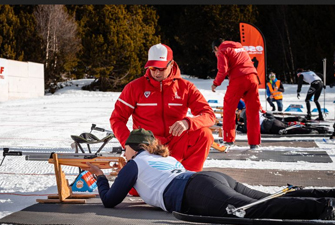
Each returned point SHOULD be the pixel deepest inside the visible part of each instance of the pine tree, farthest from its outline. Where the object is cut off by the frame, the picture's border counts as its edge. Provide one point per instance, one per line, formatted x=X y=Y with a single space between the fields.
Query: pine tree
x=115 y=40
x=28 y=41
x=9 y=23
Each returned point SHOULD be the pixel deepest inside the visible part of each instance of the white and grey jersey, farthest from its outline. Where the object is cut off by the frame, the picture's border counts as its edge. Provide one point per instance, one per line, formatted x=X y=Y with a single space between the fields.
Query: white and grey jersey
x=310 y=76
x=154 y=174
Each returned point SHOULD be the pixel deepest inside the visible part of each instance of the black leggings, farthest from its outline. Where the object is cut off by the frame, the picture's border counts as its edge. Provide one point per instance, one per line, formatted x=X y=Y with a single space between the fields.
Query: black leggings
x=209 y=193
x=315 y=89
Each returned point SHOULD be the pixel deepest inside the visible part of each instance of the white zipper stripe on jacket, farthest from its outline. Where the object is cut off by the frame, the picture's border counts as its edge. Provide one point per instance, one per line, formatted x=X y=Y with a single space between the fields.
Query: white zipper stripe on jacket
x=175 y=104
x=147 y=104
x=127 y=104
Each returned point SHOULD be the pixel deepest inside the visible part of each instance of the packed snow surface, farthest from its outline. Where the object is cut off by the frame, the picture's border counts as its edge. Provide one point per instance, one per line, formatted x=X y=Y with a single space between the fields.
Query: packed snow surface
x=45 y=124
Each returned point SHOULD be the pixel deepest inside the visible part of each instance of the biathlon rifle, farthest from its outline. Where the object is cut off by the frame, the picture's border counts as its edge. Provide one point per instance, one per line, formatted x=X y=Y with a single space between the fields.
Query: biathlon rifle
x=112 y=160
x=103 y=160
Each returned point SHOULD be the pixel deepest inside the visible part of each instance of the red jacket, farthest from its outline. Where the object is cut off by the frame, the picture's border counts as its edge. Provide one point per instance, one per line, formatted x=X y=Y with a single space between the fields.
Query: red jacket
x=157 y=105
x=234 y=61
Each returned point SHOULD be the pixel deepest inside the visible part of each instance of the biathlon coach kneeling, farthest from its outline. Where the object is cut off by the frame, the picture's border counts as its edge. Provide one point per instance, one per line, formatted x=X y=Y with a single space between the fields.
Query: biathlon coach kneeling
x=163 y=182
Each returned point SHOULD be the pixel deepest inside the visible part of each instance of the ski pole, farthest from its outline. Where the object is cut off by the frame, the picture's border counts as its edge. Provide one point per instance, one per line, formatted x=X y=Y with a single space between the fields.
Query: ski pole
x=324 y=79
x=240 y=211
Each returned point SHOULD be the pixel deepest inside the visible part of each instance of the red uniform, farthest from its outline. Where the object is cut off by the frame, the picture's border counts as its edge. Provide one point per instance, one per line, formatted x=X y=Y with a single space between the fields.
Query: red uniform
x=235 y=62
x=157 y=105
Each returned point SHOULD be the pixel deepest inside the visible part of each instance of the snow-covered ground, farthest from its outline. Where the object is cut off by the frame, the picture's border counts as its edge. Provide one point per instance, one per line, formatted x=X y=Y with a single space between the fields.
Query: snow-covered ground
x=45 y=125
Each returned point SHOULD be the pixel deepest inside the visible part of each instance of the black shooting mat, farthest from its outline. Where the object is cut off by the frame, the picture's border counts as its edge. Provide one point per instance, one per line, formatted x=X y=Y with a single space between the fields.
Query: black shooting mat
x=131 y=211
x=272 y=155
x=134 y=211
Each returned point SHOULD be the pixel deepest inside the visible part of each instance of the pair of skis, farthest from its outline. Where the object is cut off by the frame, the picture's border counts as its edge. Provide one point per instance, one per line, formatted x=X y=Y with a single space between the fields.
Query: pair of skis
x=306 y=125
x=284 y=131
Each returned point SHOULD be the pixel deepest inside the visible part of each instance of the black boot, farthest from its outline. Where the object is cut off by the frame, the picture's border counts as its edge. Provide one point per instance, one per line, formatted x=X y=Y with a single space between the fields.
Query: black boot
x=254 y=147
x=308 y=117
x=273 y=108
x=320 y=118
x=228 y=144
x=329 y=212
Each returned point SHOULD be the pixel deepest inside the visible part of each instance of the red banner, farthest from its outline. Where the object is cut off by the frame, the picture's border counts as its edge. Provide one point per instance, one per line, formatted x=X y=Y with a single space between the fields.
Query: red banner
x=253 y=41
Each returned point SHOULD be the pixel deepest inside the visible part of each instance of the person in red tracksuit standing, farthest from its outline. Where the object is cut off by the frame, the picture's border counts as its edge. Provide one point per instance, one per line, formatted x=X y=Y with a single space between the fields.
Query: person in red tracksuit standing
x=159 y=101
x=234 y=61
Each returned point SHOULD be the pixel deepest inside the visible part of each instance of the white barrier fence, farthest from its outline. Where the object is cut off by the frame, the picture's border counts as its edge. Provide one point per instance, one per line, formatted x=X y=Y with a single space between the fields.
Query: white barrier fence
x=20 y=80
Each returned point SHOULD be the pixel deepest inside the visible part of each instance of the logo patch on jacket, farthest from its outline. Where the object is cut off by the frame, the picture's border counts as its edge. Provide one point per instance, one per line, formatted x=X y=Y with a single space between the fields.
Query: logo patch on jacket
x=176 y=96
x=147 y=93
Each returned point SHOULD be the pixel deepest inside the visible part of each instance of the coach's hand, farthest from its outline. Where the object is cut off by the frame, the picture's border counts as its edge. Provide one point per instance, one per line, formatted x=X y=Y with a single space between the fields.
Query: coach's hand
x=213 y=88
x=179 y=127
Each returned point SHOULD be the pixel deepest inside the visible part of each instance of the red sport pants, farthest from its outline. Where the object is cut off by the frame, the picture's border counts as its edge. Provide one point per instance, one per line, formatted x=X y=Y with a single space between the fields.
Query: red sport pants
x=192 y=148
x=245 y=87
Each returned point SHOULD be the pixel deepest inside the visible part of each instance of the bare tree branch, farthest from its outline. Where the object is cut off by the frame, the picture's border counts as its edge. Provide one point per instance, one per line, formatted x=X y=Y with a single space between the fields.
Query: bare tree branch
x=59 y=32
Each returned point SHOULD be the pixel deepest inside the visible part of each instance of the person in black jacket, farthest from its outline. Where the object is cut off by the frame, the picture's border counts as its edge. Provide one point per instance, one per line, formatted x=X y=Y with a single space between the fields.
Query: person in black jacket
x=273 y=125
x=315 y=89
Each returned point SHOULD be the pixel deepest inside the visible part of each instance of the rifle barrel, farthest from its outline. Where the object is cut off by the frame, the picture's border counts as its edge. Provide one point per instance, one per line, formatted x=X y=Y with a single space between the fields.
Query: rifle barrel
x=103 y=160
x=45 y=156
x=38 y=157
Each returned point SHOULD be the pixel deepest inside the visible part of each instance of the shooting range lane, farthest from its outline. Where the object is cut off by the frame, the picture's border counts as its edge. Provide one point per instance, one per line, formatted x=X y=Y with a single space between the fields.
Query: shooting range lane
x=304 y=151
x=273 y=156
x=278 y=142
x=134 y=211
x=277 y=177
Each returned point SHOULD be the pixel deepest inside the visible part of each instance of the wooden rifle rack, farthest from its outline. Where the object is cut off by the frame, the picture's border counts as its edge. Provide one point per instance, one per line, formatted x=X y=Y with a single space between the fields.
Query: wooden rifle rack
x=218 y=129
x=65 y=194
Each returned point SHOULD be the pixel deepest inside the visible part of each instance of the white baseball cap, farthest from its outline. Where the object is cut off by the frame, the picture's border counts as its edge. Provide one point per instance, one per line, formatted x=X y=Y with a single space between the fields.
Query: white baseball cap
x=159 y=56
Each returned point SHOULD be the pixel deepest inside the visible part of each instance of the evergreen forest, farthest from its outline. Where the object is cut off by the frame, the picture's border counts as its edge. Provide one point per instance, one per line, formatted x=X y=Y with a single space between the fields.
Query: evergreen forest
x=110 y=42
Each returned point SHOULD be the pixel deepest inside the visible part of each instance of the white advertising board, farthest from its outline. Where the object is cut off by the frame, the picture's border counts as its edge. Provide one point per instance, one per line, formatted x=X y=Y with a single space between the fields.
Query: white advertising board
x=3 y=71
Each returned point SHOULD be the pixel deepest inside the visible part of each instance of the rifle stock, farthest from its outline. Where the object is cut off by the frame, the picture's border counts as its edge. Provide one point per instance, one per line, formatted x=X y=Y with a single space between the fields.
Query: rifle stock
x=103 y=162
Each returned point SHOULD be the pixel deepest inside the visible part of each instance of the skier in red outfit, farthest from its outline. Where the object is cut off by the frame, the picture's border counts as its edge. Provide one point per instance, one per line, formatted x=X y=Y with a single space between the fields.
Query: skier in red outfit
x=234 y=62
x=159 y=101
